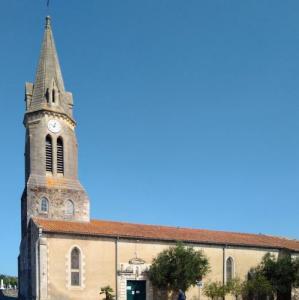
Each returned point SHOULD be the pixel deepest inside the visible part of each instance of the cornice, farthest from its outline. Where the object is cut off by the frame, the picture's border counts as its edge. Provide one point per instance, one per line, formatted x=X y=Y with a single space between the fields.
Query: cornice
x=43 y=112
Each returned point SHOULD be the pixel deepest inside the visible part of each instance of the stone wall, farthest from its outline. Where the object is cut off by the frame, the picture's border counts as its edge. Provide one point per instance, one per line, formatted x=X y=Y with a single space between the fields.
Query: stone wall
x=57 y=203
x=56 y=187
x=113 y=262
x=28 y=261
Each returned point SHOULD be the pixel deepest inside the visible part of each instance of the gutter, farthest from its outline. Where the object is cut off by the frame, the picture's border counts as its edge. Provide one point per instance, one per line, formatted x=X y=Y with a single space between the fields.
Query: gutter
x=116 y=266
x=223 y=266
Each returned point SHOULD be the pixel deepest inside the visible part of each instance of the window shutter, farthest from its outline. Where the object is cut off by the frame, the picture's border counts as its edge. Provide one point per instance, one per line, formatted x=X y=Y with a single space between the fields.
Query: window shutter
x=49 y=154
x=60 y=157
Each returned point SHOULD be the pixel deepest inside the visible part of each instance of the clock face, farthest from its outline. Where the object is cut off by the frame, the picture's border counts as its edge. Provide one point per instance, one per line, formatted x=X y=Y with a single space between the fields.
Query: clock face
x=54 y=126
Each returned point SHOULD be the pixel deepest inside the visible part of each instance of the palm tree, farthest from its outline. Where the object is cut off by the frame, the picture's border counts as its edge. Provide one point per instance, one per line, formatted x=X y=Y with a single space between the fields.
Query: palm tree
x=108 y=292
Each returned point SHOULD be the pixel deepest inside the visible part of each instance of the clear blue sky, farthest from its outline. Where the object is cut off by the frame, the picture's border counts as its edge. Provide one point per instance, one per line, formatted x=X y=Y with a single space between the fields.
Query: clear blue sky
x=187 y=111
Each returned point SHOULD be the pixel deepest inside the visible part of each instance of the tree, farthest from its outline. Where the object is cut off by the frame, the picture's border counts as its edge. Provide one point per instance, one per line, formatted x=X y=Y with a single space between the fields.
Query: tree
x=296 y=267
x=235 y=287
x=9 y=280
x=108 y=292
x=257 y=287
x=274 y=276
x=282 y=272
x=178 y=267
x=215 y=290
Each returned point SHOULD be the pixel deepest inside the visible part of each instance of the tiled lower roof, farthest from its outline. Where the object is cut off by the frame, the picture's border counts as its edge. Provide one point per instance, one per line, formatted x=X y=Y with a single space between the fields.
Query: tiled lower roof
x=165 y=233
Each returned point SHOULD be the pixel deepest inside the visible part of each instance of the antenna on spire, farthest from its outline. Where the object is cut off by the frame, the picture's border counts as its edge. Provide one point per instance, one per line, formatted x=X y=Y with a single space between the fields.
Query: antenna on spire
x=48 y=22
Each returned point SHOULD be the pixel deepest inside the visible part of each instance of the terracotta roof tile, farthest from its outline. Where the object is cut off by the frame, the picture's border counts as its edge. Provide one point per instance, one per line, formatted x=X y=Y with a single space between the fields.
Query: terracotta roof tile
x=154 y=232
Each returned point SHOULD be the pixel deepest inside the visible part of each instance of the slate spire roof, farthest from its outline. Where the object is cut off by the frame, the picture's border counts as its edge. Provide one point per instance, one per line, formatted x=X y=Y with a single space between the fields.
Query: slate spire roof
x=48 y=71
x=48 y=92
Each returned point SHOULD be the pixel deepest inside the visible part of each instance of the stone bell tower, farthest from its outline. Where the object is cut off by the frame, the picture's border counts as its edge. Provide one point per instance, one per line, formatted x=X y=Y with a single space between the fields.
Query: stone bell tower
x=52 y=188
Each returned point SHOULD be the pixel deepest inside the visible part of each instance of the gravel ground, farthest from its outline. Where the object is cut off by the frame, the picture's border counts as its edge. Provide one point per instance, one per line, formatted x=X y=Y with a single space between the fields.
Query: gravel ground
x=9 y=295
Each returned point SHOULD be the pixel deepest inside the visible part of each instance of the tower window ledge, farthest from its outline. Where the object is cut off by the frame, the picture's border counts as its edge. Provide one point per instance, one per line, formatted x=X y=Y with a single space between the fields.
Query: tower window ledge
x=44 y=213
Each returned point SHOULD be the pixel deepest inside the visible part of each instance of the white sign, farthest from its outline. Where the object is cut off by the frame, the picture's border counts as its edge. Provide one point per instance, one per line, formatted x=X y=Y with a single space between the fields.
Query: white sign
x=199 y=283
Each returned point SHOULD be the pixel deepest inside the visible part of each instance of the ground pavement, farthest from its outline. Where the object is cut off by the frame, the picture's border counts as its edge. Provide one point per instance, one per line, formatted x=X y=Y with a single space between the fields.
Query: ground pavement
x=8 y=295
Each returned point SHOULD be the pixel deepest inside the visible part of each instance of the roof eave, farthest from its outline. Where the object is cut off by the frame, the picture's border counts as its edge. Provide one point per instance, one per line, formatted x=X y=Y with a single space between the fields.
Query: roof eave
x=122 y=236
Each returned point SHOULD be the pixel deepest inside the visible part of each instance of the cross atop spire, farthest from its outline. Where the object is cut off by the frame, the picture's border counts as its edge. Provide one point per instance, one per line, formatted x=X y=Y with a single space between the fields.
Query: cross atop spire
x=48 y=90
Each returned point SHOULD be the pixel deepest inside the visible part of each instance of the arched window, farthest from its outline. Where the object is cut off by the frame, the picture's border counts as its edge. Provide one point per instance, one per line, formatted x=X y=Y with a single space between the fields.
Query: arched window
x=44 y=205
x=75 y=267
x=229 y=269
x=49 y=154
x=69 y=208
x=60 y=158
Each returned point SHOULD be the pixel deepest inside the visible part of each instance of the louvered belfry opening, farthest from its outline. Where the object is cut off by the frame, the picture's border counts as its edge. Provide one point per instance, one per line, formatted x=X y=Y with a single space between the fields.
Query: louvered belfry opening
x=60 y=158
x=53 y=96
x=49 y=154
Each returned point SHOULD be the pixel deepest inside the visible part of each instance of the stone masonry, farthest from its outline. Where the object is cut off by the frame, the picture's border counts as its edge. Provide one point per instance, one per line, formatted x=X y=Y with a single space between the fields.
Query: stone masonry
x=47 y=102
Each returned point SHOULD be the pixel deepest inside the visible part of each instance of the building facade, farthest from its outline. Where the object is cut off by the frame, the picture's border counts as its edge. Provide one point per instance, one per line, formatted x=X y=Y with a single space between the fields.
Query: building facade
x=66 y=256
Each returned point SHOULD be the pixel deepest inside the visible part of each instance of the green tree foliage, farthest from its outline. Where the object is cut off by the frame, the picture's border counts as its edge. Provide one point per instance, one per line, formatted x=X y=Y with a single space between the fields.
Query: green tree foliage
x=9 y=280
x=257 y=287
x=215 y=290
x=107 y=291
x=296 y=267
x=236 y=287
x=177 y=268
x=282 y=273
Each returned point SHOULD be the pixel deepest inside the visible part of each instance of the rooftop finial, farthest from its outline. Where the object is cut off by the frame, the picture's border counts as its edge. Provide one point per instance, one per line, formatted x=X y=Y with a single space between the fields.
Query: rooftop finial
x=48 y=22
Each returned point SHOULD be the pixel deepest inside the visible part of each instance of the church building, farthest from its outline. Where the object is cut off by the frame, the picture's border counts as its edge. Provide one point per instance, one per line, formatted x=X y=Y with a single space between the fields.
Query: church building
x=64 y=255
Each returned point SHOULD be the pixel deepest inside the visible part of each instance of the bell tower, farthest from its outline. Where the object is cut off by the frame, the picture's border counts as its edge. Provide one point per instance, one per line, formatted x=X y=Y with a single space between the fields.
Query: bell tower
x=52 y=188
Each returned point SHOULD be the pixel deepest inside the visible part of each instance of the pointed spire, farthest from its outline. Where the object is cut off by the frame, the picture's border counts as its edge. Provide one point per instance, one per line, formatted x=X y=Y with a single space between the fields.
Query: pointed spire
x=48 y=75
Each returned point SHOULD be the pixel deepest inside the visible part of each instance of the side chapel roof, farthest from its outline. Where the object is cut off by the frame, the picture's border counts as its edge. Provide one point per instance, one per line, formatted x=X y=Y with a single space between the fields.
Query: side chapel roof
x=165 y=233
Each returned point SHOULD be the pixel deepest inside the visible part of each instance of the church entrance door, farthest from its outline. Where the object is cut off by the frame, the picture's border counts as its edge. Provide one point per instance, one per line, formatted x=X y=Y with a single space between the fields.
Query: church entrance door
x=136 y=290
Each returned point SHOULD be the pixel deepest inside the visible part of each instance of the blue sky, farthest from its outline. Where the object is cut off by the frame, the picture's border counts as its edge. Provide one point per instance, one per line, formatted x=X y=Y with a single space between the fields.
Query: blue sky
x=187 y=111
